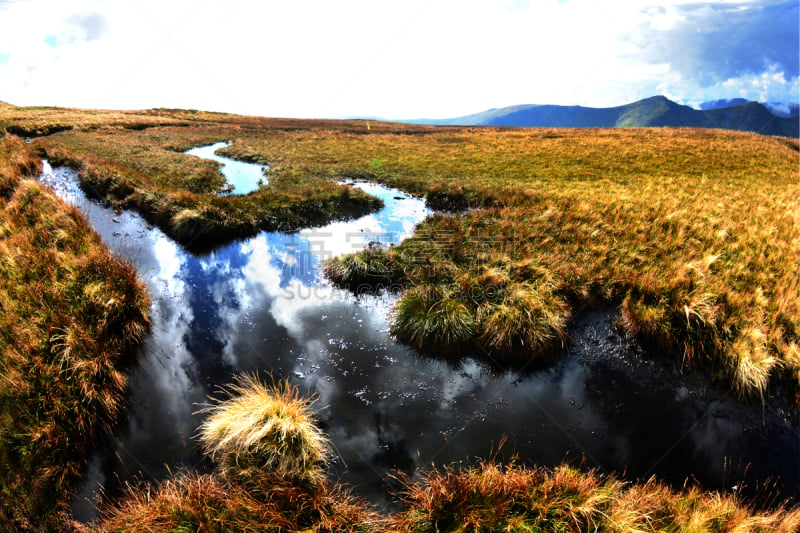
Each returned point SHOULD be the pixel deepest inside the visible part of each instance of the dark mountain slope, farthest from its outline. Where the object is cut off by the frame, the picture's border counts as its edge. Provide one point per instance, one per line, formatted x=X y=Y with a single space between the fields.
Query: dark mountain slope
x=655 y=111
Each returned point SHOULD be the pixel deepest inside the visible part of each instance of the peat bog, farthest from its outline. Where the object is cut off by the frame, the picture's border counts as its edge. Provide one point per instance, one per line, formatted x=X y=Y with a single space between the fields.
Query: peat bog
x=620 y=300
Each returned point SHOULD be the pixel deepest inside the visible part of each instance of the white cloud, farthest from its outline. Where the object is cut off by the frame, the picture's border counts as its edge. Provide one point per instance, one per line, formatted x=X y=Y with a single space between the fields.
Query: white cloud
x=312 y=58
x=770 y=85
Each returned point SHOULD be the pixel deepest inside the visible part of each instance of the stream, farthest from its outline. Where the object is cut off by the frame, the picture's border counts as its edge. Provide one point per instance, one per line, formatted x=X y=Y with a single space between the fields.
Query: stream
x=262 y=305
x=242 y=177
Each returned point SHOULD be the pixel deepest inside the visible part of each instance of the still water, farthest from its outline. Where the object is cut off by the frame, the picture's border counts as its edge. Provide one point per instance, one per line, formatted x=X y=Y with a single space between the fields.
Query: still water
x=262 y=305
x=242 y=177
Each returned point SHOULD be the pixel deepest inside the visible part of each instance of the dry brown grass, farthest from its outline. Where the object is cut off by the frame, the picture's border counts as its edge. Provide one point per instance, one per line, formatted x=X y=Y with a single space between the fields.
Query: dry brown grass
x=211 y=503
x=694 y=233
x=260 y=429
x=146 y=171
x=271 y=478
x=70 y=316
x=490 y=498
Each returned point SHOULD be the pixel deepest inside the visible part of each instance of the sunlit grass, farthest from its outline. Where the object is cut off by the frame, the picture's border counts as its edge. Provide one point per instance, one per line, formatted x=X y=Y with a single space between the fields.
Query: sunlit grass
x=265 y=429
x=270 y=454
x=693 y=233
x=147 y=171
x=493 y=498
x=256 y=436
x=70 y=316
x=213 y=503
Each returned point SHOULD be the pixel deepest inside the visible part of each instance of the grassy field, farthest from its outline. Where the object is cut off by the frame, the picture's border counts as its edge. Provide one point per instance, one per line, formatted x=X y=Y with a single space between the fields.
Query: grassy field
x=70 y=317
x=492 y=498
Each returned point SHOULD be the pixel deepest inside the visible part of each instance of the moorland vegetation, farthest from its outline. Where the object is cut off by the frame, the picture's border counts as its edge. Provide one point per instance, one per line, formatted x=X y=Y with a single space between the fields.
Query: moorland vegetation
x=71 y=315
x=692 y=233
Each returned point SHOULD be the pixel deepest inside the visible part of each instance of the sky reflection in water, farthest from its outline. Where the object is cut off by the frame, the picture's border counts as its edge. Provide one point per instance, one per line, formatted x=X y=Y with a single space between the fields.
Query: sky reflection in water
x=244 y=177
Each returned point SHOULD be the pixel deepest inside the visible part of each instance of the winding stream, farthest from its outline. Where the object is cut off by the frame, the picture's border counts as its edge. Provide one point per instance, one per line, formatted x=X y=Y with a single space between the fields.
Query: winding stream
x=242 y=177
x=262 y=305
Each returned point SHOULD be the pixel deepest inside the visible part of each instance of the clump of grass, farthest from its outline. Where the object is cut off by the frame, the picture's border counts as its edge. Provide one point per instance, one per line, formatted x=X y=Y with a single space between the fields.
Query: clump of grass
x=510 y=310
x=71 y=316
x=270 y=454
x=367 y=270
x=434 y=318
x=693 y=233
x=212 y=503
x=265 y=429
x=529 y=319
x=492 y=498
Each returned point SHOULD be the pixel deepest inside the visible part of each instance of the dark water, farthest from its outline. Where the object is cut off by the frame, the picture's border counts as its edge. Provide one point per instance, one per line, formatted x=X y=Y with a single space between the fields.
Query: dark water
x=242 y=177
x=261 y=305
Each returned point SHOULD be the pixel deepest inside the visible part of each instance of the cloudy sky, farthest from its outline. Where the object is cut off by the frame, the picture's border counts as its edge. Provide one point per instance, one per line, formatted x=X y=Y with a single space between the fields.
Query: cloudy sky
x=409 y=59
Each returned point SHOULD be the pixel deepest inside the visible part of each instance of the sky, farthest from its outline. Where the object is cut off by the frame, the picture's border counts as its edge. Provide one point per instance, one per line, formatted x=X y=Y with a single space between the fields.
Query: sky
x=393 y=59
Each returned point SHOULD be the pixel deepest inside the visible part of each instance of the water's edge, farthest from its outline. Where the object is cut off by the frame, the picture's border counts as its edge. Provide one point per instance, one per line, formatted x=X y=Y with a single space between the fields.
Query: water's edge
x=243 y=178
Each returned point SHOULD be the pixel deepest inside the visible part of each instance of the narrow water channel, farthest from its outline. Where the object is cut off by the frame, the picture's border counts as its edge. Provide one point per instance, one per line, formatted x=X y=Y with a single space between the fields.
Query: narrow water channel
x=262 y=305
x=242 y=177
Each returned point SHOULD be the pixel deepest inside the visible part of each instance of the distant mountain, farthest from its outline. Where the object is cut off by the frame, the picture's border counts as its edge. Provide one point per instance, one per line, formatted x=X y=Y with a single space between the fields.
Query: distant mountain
x=783 y=109
x=651 y=112
x=724 y=102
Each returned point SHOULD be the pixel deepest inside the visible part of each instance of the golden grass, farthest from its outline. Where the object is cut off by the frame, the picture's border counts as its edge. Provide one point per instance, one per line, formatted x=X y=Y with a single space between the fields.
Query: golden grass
x=70 y=316
x=264 y=485
x=486 y=498
x=694 y=233
x=211 y=503
x=265 y=429
x=271 y=455
x=491 y=498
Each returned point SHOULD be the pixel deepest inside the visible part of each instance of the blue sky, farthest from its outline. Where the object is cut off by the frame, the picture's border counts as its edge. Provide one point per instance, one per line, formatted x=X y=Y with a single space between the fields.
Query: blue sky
x=410 y=59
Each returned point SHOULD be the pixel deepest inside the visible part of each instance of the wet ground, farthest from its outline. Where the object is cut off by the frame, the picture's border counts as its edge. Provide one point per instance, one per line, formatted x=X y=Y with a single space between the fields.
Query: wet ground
x=261 y=305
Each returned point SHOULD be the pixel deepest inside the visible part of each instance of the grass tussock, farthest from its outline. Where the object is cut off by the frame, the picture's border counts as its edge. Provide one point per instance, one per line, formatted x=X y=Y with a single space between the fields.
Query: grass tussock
x=265 y=429
x=366 y=271
x=70 y=316
x=270 y=454
x=266 y=443
x=492 y=498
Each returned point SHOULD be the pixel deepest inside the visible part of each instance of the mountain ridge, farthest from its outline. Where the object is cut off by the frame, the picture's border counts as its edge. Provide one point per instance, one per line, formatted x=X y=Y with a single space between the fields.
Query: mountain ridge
x=655 y=111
